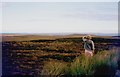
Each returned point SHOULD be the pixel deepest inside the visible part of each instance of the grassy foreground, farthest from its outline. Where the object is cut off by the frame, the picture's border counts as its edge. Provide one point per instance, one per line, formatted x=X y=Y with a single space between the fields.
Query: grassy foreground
x=101 y=64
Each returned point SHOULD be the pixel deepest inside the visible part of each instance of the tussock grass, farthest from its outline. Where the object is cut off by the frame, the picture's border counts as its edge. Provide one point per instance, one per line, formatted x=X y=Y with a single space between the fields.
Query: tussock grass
x=103 y=63
x=89 y=66
x=54 y=68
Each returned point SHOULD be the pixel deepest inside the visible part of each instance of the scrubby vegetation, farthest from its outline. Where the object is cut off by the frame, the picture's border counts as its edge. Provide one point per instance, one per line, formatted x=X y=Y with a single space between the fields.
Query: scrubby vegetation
x=102 y=64
x=56 y=57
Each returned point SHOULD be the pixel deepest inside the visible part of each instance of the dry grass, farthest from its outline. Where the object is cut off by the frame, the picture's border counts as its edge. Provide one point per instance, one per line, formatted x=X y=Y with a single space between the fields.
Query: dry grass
x=85 y=66
x=54 y=68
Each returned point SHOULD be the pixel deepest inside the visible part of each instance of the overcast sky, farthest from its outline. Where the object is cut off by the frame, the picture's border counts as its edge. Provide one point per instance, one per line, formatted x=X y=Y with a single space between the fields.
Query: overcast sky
x=53 y=17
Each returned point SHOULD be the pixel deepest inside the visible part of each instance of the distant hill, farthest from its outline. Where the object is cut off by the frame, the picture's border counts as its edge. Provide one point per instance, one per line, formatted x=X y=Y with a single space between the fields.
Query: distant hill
x=27 y=37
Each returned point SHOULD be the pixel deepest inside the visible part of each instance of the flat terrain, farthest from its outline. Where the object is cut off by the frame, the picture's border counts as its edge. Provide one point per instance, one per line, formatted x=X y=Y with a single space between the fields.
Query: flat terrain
x=26 y=54
x=27 y=37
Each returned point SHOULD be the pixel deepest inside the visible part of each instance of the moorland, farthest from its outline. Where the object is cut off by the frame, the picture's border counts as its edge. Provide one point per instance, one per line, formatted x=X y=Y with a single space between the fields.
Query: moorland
x=50 y=55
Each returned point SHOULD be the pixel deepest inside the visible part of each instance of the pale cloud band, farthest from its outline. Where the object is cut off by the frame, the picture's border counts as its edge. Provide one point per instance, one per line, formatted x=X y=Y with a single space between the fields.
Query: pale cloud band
x=76 y=17
x=59 y=0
